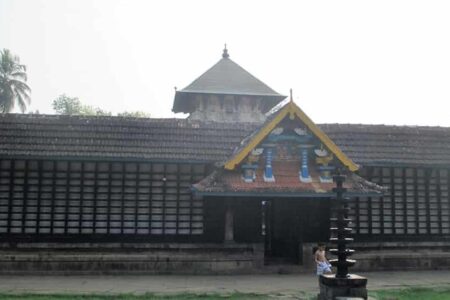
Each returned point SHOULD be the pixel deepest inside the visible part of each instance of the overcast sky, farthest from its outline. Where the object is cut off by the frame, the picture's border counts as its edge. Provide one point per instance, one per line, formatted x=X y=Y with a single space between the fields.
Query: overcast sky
x=372 y=62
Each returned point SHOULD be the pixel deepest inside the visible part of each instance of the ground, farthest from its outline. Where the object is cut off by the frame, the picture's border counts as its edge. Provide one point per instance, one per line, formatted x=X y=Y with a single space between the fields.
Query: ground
x=290 y=286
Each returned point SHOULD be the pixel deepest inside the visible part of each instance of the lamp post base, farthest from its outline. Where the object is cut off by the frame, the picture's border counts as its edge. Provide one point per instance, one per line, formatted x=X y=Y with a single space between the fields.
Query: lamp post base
x=353 y=287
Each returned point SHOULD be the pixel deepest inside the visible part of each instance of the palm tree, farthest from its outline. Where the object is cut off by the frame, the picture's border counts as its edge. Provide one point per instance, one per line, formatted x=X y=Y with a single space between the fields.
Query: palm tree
x=13 y=87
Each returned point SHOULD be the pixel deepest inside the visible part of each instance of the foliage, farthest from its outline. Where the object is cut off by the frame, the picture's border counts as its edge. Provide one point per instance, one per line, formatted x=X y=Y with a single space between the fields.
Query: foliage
x=13 y=87
x=134 y=114
x=66 y=105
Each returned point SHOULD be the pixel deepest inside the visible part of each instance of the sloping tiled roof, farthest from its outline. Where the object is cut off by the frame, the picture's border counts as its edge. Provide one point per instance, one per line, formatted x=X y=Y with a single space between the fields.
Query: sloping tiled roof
x=388 y=145
x=286 y=182
x=182 y=139
x=226 y=78
x=118 y=137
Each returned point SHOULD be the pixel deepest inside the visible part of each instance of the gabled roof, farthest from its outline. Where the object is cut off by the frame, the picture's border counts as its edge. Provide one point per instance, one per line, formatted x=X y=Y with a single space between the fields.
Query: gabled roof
x=226 y=78
x=292 y=111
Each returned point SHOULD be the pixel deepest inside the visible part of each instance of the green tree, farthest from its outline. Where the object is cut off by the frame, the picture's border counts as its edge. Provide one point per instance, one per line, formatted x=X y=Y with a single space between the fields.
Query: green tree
x=65 y=105
x=134 y=114
x=13 y=87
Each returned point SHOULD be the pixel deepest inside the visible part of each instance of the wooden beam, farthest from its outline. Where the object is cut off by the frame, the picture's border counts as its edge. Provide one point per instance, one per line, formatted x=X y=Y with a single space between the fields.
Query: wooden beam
x=11 y=195
x=39 y=198
x=416 y=200
x=67 y=202
x=80 y=217
x=122 y=199
x=108 y=199
x=177 y=209
x=427 y=199
x=25 y=196
x=150 y=198
x=405 y=202
x=136 y=197
x=393 y=219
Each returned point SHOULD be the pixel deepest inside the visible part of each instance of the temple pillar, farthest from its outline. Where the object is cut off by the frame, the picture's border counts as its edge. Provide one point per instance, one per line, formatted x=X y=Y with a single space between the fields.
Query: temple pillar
x=304 y=170
x=268 y=172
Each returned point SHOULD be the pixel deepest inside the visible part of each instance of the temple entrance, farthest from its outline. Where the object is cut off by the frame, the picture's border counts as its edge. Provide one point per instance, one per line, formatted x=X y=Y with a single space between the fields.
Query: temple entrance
x=289 y=222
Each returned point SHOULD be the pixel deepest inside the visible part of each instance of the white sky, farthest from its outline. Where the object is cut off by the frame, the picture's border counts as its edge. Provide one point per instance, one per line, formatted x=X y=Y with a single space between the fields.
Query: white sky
x=372 y=62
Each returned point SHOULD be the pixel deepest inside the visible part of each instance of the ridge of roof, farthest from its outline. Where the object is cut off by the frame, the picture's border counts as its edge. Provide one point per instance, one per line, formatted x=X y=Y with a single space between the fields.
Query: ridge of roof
x=17 y=117
x=5 y=116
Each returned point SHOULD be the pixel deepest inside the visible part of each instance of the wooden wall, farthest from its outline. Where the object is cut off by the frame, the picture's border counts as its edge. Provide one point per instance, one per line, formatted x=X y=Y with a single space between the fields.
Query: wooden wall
x=153 y=201
x=65 y=198
x=416 y=204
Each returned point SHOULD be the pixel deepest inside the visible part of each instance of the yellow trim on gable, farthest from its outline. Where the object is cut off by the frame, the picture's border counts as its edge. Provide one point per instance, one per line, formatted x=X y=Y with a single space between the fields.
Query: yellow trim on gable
x=238 y=157
x=325 y=139
x=290 y=108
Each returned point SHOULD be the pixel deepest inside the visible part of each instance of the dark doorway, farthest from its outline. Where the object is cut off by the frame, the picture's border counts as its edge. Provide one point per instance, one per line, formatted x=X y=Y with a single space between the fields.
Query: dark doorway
x=289 y=222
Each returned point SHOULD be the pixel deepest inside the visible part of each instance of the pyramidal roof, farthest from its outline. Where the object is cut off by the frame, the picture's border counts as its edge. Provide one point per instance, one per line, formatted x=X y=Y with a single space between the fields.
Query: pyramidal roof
x=226 y=78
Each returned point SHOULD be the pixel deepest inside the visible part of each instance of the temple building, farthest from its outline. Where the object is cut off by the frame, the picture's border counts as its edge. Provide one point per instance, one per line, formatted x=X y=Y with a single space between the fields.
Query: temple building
x=243 y=184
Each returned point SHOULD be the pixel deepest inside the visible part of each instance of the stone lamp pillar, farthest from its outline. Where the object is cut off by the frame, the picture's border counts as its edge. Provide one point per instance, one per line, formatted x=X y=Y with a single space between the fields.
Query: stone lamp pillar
x=341 y=284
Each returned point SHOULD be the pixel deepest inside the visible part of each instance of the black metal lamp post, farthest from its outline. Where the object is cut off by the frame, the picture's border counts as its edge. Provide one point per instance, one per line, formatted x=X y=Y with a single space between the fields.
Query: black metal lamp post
x=341 y=230
x=341 y=284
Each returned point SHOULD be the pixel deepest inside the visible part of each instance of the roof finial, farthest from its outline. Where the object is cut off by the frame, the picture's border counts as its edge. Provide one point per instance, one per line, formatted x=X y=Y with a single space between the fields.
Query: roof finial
x=225 y=52
x=292 y=98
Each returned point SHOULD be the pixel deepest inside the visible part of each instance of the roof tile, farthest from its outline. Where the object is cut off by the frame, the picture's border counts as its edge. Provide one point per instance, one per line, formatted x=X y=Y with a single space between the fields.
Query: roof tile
x=184 y=139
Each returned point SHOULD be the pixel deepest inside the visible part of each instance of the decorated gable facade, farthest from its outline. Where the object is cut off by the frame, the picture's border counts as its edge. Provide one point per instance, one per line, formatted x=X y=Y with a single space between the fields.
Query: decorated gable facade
x=288 y=155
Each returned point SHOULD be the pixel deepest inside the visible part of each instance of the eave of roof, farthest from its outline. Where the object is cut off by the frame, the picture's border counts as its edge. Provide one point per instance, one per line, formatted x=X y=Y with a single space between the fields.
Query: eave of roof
x=300 y=195
x=287 y=184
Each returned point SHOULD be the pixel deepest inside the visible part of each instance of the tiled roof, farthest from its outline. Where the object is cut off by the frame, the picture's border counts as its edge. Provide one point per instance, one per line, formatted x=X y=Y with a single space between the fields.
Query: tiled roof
x=181 y=139
x=387 y=145
x=118 y=137
x=226 y=78
x=286 y=182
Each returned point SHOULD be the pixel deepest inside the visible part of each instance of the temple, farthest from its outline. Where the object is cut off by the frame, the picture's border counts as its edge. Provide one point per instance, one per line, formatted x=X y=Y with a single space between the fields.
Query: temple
x=243 y=184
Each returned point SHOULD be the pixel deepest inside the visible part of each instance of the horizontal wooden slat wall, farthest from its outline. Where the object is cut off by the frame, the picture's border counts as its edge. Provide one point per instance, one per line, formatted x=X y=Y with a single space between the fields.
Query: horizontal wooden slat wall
x=42 y=197
x=416 y=203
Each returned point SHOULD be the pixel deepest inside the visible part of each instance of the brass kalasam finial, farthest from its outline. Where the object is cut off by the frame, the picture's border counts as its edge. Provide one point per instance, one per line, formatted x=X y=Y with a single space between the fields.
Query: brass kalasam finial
x=225 y=52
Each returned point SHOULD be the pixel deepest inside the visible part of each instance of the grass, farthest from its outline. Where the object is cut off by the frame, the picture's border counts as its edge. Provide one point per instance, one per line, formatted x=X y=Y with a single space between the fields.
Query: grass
x=425 y=293
x=185 y=296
